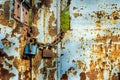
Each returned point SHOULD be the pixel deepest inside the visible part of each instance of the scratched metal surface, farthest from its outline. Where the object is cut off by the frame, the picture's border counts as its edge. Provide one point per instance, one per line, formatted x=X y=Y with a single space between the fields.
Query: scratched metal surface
x=92 y=49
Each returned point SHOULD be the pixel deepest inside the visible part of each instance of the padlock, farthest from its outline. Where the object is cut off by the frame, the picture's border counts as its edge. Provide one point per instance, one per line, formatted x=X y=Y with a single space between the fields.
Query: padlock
x=47 y=53
x=30 y=49
x=34 y=50
x=27 y=49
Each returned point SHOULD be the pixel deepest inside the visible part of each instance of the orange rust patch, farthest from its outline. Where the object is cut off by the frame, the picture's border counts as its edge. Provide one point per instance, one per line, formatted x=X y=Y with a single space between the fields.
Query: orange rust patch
x=92 y=65
x=92 y=74
x=64 y=77
x=115 y=15
x=47 y=3
x=72 y=70
x=108 y=48
x=6 y=43
x=21 y=65
x=7 y=22
x=5 y=75
x=7 y=35
x=52 y=17
x=36 y=17
x=49 y=63
x=106 y=17
x=98 y=23
x=36 y=62
x=51 y=74
x=80 y=64
x=52 y=29
x=44 y=71
x=99 y=14
x=112 y=48
x=82 y=76
x=11 y=23
x=114 y=77
x=17 y=29
x=16 y=49
x=77 y=15
x=75 y=72
x=1 y=15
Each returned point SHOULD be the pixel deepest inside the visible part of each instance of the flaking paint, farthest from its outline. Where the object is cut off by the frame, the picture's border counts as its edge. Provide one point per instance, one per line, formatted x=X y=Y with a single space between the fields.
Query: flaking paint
x=90 y=50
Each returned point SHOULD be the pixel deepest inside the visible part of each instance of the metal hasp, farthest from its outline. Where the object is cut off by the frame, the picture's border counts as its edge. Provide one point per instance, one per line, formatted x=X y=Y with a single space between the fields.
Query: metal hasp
x=21 y=11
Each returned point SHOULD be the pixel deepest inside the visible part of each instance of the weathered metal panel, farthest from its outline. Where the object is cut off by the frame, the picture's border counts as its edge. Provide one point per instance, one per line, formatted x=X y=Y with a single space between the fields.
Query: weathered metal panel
x=91 y=49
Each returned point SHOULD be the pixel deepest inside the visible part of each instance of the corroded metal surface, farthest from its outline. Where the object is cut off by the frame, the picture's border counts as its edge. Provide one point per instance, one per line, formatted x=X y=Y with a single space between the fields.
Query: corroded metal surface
x=13 y=37
x=89 y=51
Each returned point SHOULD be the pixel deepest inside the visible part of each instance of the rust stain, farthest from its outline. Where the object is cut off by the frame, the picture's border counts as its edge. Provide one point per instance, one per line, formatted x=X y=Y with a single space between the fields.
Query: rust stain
x=114 y=77
x=44 y=71
x=49 y=63
x=114 y=48
x=109 y=48
x=99 y=14
x=6 y=10
x=16 y=49
x=82 y=76
x=4 y=55
x=77 y=15
x=74 y=8
x=51 y=74
x=17 y=29
x=92 y=75
x=75 y=72
x=22 y=66
x=36 y=17
x=72 y=70
x=6 y=43
x=110 y=18
x=36 y=63
x=64 y=77
x=33 y=31
x=80 y=64
x=52 y=29
x=6 y=22
x=7 y=35
x=37 y=60
x=98 y=23
x=4 y=73
x=115 y=15
x=1 y=15
x=47 y=3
